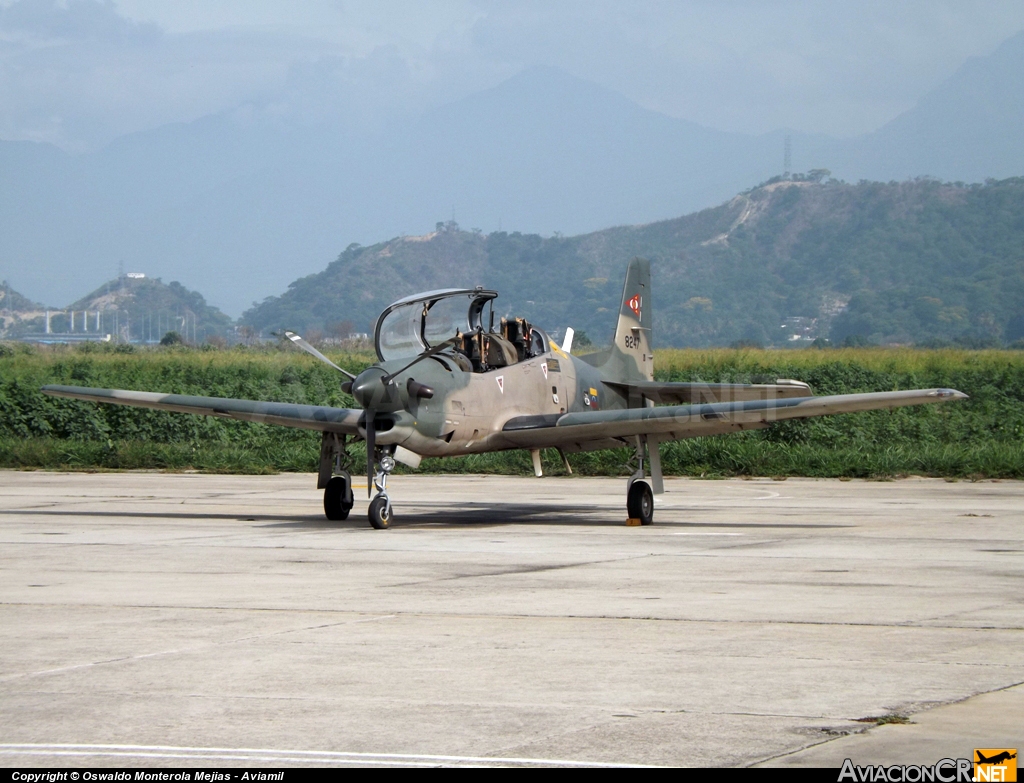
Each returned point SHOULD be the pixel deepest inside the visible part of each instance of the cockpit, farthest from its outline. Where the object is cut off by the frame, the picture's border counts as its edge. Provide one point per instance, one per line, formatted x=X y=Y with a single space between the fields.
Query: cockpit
x=424 y=321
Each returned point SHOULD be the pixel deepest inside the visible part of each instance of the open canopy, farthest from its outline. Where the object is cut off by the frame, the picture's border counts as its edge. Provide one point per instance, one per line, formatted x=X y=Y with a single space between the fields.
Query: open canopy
x=417 y=323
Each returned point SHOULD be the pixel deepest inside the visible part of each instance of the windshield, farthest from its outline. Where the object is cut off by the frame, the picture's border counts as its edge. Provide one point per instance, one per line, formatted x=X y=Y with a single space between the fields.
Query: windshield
x=399 y=333
x=446 y=317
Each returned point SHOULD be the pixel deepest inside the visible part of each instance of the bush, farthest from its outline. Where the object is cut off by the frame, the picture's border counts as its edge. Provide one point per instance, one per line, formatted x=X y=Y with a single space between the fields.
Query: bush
x=982 y=436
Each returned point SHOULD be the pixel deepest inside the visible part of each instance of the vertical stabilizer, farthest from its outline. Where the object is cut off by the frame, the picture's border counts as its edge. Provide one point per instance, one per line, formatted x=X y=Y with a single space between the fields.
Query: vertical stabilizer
x=631 y=358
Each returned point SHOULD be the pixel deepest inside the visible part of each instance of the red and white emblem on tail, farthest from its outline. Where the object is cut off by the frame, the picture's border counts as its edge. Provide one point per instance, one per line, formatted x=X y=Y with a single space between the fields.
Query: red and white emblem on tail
x=635 y=303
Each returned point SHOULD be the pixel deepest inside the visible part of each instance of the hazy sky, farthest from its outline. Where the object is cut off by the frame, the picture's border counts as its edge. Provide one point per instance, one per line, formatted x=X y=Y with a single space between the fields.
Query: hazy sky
x=81 y=72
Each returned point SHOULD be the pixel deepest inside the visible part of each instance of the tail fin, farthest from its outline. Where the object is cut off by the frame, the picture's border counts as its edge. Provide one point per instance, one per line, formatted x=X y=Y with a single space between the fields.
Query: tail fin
x=631 y=358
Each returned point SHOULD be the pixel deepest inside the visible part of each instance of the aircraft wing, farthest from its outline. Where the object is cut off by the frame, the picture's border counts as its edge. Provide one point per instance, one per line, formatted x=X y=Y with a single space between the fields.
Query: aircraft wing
x=287 y=414
x=696 y=393
x=589 y=430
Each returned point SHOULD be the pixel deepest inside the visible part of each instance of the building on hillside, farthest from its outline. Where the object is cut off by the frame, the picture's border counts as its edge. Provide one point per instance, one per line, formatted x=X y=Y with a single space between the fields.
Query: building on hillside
x=799 y=329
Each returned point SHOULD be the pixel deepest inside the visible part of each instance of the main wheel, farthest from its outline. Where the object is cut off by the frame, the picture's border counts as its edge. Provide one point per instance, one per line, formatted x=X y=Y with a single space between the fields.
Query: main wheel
x=380 y=513
x=640 y=502
x=338 y=498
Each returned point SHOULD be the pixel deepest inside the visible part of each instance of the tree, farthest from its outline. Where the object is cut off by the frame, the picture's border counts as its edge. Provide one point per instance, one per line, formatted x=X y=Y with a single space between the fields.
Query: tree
x=171 y=338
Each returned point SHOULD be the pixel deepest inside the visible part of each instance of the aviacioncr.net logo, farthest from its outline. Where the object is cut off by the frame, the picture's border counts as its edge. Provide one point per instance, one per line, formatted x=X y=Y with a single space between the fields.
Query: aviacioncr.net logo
x=942 y=771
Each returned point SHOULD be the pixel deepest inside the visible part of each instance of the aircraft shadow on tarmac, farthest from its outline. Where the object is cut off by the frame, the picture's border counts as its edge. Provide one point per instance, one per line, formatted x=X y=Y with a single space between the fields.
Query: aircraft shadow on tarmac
x=540 y=514
x=472 y=514
x=481 y=514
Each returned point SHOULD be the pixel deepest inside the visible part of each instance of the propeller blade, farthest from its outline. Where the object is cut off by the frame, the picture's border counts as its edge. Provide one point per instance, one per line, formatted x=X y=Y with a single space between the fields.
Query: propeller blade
x=314 y=352
x=371 y=438
x=386 y=380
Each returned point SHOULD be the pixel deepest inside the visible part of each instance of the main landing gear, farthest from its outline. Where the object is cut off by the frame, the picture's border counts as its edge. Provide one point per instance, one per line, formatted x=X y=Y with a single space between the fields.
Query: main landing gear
x=338 y=500
x=640 y=502
x=639 y=494
x=380 y=506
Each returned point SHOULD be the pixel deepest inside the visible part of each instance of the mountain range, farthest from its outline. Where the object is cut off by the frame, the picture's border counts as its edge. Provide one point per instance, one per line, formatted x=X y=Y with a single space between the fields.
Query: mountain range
x=795 y=259
x=241 y=203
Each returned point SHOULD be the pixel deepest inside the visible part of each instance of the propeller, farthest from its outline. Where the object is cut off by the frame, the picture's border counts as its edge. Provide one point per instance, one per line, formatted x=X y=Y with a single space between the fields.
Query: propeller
x=314 y=352
x=366 y=394
x=387 y=383
x=371 y=444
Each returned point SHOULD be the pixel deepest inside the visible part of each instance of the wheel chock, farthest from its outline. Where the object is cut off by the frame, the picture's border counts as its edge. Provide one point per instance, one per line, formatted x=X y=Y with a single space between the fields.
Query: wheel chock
x=633 y=522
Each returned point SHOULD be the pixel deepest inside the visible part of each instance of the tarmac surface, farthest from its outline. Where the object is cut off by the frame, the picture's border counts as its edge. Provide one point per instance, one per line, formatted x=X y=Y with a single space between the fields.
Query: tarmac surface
x=199 y=620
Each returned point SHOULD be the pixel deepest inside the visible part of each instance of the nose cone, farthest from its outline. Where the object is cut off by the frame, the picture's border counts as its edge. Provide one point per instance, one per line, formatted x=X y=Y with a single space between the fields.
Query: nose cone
x=366 y=384
x=370 y=392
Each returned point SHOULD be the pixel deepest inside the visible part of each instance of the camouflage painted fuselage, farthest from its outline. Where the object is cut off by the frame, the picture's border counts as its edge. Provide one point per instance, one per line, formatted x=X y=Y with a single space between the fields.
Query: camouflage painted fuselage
x=469 y=411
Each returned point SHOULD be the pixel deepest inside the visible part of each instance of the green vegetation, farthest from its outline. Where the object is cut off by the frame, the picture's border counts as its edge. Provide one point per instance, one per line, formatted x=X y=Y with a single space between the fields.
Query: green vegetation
x=909 y=263
x=883 y=720
x=982 y=437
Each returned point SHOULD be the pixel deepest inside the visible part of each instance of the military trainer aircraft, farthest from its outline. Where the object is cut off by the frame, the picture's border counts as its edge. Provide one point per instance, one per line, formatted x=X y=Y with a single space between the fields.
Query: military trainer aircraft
x=450 y=381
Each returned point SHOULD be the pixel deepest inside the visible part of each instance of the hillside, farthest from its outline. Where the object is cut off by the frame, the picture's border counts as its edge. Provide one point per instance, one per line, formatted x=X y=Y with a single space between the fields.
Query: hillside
x=11 y=300
x=150 y=308
x=14 y=308
x=139 y=309
x=906 y=262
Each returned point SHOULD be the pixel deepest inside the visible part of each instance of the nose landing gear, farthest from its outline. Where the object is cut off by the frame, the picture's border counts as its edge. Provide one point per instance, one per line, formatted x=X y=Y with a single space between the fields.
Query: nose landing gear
x=380 y=507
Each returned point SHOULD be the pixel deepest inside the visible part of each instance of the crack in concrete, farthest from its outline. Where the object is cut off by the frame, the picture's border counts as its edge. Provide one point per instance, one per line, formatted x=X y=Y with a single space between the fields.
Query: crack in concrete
x=929 y=708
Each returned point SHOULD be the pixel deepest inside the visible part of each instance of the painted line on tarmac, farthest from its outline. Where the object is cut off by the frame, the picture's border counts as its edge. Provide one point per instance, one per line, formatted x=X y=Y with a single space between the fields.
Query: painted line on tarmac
x=287 y=756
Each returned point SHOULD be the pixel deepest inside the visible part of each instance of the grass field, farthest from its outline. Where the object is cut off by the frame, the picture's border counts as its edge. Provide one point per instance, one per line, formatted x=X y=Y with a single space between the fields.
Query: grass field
x=981 y=437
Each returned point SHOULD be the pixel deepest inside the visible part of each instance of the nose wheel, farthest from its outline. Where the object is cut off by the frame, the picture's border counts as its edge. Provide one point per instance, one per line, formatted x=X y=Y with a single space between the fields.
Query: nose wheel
x=380 y=512
x=380 y=506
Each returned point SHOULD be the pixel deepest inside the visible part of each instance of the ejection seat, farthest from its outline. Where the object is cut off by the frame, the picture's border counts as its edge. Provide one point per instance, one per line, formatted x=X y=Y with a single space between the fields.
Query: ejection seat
x=528 y=342
x=498 y=351
x=486 y=350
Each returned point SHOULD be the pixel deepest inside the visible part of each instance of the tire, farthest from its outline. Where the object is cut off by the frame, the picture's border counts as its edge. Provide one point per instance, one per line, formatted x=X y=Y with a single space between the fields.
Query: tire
x=338 y=498
x=640 y=502
x=380 y=514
